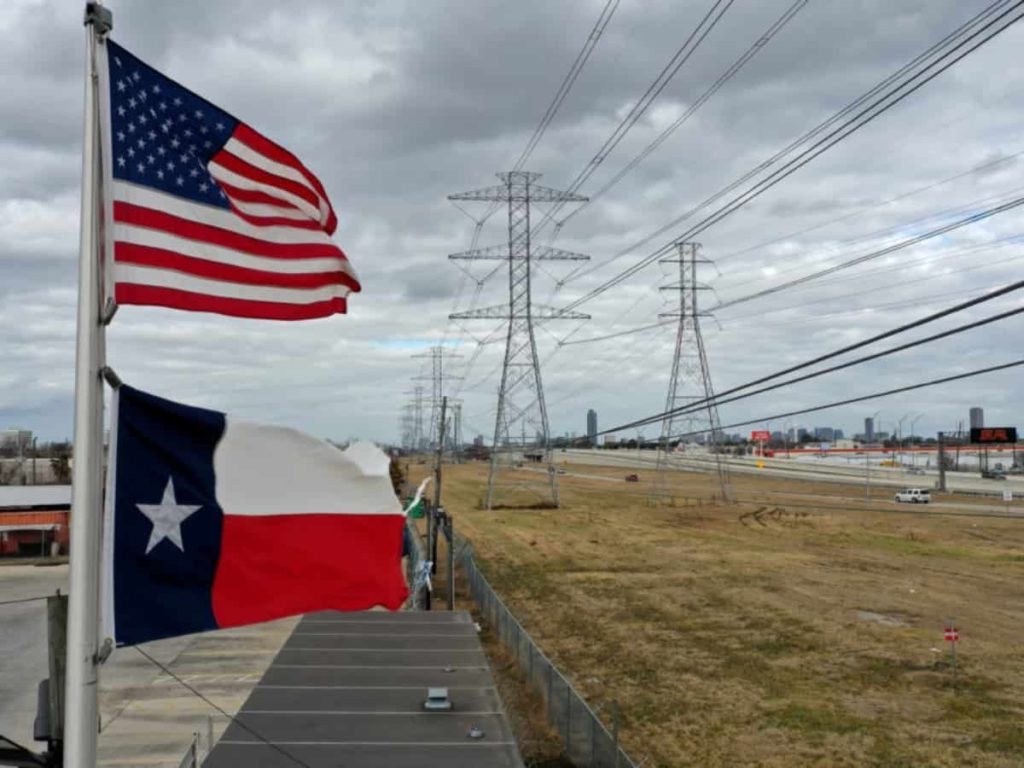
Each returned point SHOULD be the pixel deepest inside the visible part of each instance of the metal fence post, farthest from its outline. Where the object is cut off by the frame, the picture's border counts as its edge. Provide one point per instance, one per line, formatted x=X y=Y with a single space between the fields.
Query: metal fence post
x=568 y=719
x=551 y=707
x=529 y=674
x=593 y=740
x=615 y=729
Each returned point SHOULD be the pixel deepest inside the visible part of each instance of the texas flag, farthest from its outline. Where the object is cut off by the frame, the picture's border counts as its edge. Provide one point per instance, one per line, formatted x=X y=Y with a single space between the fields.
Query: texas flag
x=213 y=523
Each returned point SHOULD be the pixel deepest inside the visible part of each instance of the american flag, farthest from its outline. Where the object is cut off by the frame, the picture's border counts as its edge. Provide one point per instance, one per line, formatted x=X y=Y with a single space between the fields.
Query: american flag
x=209 y=215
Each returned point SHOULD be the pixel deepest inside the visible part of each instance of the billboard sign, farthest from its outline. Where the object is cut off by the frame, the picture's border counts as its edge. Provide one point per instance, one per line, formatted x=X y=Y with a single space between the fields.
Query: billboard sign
x=760 y=434
x=993 y=434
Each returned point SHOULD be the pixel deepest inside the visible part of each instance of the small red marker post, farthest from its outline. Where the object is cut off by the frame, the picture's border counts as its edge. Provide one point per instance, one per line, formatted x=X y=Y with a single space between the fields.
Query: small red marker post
x=951 y=635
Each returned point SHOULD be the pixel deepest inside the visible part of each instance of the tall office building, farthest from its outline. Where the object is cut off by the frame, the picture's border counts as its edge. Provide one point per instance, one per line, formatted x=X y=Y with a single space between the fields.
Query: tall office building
x=592 y=427
x=977 y=418
x=869 y=430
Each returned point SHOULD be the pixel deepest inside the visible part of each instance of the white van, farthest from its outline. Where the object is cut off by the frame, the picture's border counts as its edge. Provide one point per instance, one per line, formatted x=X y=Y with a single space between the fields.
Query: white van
x=913 y=496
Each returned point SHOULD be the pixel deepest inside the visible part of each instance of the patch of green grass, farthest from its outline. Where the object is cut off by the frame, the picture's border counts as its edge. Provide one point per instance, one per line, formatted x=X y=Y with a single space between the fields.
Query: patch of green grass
x=966 y=706
x=1009 y=738
x=784 y=644
x=818 y=720
x=915 y=546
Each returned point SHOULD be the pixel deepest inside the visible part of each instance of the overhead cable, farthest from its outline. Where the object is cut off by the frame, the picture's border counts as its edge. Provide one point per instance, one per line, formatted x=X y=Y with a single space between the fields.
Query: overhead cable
x=718 y=400
x=896 y=87
x=763 y=39
x=990 y=296
x=972 y=219
x=680 y=57
x=570 y=78
x=860 y=399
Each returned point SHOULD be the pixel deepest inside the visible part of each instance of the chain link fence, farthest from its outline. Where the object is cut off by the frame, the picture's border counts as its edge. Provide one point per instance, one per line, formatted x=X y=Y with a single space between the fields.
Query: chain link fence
x=416 y=557
x=588 y=743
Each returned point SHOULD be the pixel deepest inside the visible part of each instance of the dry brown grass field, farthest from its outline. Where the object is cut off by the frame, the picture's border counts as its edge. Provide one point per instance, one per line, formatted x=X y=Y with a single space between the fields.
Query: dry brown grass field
x=810 y=634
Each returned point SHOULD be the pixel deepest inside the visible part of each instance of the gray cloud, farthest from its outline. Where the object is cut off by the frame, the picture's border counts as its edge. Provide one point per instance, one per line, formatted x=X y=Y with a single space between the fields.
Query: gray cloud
x=397 y=104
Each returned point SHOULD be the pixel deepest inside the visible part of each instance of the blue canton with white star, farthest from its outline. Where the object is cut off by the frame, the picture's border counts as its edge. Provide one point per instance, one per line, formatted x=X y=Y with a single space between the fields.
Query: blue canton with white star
x=162 y=134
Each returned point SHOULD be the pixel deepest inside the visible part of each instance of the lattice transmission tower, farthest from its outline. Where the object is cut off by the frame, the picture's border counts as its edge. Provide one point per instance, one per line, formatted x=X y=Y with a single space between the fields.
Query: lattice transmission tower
x=417 y=439
x=697 y=427
x=521 y=432
x=438 y=378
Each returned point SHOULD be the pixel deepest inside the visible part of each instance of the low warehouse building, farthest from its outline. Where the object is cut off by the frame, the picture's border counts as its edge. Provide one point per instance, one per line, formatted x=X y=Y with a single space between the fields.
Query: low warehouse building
x=34 y=520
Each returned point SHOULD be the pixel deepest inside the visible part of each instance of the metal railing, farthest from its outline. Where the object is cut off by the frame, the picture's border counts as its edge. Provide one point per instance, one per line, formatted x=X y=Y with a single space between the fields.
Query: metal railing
x=588 y=743
x=191 y=758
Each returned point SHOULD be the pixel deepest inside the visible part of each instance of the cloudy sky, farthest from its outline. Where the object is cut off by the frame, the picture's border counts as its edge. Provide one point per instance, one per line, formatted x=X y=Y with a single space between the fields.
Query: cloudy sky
x=397 y=104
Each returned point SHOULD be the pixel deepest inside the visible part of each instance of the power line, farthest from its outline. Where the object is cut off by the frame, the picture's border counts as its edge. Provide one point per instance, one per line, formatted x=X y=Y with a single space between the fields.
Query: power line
x=680 y=57
x=862 y=398
x=883 y=237
x=570 y=78
x=763 y=39
x=992 y=295
x=974 y=218
x=833 y=298
x=24 y=600
x=863 y=209
x=890 y=98
x=868 y=358
x=929 y=259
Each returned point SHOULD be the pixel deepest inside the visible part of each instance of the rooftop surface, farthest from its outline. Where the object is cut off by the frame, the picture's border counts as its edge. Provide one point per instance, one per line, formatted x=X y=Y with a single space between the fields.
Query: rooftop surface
x=348 y=689
x=21 y=496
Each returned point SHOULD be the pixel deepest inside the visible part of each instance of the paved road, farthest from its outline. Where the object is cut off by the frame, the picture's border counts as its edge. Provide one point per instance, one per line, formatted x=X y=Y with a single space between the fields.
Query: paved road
x=833 y=498
x=23 y=657
x=852 y=473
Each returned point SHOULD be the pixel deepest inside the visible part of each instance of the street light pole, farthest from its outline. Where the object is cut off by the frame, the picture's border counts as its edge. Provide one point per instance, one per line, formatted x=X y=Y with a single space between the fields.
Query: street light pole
x=867 y=461
x=913 y=455
x=899 y=438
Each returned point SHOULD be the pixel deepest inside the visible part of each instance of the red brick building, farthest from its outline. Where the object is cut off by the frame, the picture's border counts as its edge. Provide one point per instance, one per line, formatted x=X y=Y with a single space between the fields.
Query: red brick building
x=34 y=518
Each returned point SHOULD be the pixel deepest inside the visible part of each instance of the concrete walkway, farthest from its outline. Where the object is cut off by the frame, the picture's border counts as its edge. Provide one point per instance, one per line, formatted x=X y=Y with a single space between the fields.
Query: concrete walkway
x=148 y=718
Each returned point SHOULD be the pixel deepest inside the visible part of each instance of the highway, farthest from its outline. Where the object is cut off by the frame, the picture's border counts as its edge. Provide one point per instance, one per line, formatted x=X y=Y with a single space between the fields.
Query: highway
x=818 y=471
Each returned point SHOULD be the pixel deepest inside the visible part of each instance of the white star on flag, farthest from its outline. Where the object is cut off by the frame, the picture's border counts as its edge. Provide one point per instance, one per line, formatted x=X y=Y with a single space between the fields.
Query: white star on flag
x=167 y=517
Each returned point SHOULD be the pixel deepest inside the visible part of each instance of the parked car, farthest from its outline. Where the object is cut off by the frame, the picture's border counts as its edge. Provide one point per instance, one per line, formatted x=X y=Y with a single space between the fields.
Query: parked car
x=913 y=496
x=915 y=471
x=632 y=478
x=994 y=474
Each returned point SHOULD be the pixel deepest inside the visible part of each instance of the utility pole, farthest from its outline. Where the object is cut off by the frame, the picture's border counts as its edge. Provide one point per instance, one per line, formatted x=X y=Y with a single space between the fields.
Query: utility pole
x=520 y=394
x=690 y=377
x=942 y=461
x=457 y=432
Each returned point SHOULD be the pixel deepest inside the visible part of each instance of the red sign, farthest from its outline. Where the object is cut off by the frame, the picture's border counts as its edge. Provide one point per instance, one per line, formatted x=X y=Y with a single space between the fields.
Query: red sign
x=760 y=434
x=952 y=634
x=993 y=434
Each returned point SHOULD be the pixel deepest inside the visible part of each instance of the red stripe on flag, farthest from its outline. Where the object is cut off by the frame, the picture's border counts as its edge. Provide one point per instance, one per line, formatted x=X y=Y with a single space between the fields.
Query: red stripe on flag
x=250 y=171
x=151 y=295
x=281 y=565
x=279 y=154
x=131 y=253
x=137 y=215
x=239 y=195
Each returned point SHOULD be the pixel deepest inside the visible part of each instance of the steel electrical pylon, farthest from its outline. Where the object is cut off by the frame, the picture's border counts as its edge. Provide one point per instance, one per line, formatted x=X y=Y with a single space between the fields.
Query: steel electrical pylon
x=521 y=393
x=438 y=356
x=690 y=380
x=415 y=406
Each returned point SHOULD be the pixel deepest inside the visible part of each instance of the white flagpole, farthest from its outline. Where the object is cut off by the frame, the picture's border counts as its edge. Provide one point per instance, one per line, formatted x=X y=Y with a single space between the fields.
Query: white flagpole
x=81 y=715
